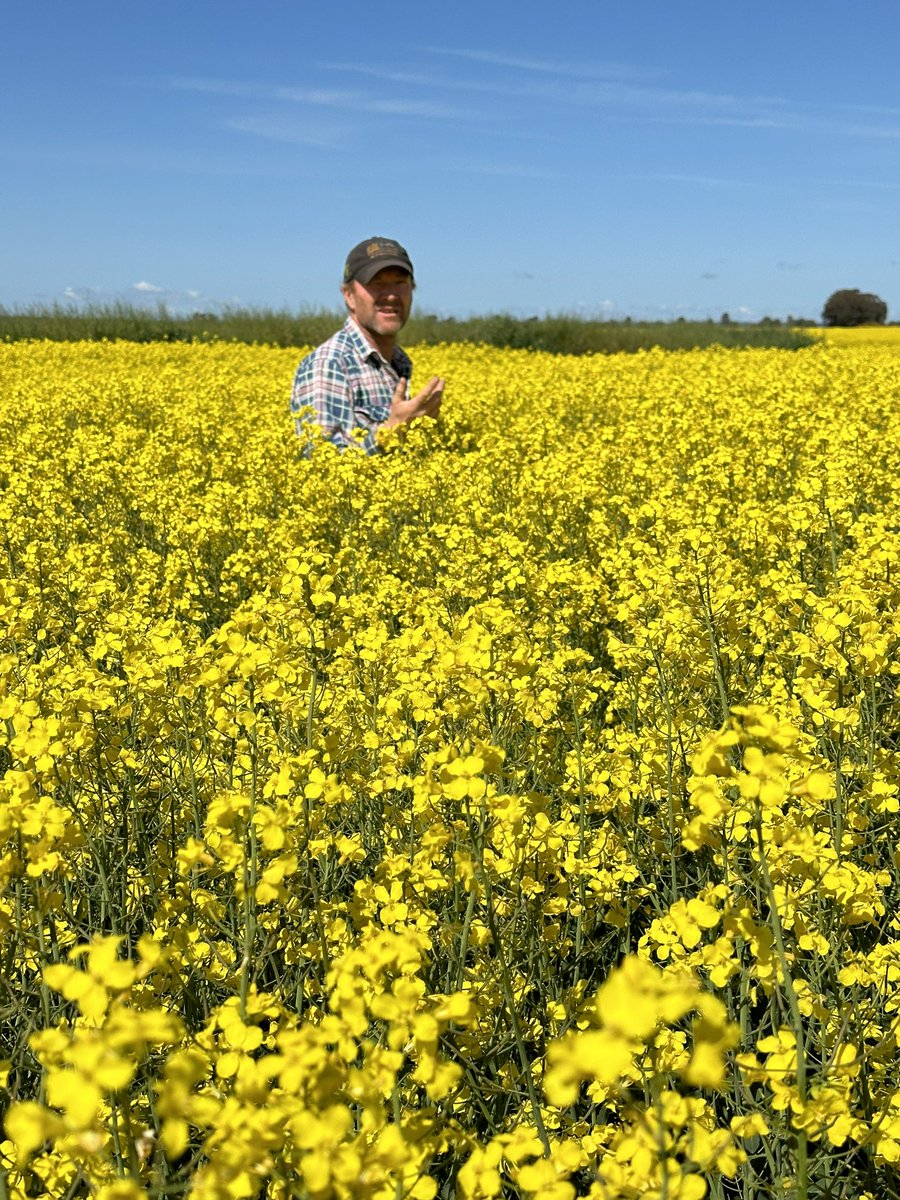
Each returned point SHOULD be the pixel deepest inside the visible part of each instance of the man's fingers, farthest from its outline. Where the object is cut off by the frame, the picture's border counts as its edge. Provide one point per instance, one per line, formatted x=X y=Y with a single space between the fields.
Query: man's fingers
x=434 y=400
x=434 y=405
x=433 y=389
x=426 y=391
x=424 y=404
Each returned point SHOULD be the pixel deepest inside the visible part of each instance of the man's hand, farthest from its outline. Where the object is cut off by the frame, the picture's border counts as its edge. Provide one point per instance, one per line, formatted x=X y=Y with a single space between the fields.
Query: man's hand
x=405 y=409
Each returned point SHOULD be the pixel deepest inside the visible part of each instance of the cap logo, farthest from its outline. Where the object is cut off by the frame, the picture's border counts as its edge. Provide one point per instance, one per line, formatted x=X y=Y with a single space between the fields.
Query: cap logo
x=373 y=248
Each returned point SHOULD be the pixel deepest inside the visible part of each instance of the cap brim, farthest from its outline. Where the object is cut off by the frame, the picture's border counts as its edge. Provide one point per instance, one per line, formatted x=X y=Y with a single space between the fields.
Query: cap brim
x=369 y=270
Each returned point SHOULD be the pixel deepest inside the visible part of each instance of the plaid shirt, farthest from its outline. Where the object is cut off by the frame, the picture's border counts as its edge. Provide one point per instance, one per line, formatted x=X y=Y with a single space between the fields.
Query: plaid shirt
x=348 y=385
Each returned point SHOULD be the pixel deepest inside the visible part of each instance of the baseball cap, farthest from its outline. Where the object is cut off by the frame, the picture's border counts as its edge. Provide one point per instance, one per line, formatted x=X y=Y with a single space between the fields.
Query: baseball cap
x=369 y=257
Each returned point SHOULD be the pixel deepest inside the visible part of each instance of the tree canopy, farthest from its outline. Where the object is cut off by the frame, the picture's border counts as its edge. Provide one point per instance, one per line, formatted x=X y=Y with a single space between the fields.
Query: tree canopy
x=850 y=306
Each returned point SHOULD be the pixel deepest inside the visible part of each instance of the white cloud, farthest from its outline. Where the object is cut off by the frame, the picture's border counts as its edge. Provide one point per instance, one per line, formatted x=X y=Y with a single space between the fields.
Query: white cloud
x=500 y=170
x=297 y=129
x=356 y=101
x=604 y=70
x=142 y=295
x=622 y=92
x=217 y=87
x=625 y=93
x=341 y=98
x=325 y=97
x=863 y=183
x=89 y=295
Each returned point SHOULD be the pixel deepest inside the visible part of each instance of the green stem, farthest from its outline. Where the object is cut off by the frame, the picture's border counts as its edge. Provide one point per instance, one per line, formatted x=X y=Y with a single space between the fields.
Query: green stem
x=793 y=1003
x=509 y=997
x=582 y=842
x=250 y=876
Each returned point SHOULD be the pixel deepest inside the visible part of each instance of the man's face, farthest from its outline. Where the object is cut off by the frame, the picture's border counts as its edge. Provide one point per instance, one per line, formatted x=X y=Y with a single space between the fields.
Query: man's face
x=382 y=305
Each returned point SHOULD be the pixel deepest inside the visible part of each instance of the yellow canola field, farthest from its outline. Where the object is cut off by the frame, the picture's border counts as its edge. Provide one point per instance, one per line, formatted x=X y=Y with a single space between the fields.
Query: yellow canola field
x=879 y=337
x=515 y=813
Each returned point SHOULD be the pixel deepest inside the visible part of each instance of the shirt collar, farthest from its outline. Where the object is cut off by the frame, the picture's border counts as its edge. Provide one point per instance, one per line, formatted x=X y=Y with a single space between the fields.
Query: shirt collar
x=365 y=349
x=360 y=342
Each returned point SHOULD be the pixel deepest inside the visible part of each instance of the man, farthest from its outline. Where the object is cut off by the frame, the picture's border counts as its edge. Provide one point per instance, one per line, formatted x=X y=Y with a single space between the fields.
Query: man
x=359 y=379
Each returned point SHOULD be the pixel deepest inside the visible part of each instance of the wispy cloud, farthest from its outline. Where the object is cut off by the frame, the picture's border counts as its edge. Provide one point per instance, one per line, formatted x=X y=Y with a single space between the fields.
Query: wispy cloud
x=351 y=100
x=530 y=89
x=507 y=170
x=850 y=129
x=619 y=92
x=145 y=159
x=216 y=87
x=366 y=103
x=702 y=180
x=737 y=122
x=556 y=84
x=142 y=294
x=295 y=129
x=628 y=92
x=880 y=184
x=881 y=109
x=821 y=186
x=602 y=70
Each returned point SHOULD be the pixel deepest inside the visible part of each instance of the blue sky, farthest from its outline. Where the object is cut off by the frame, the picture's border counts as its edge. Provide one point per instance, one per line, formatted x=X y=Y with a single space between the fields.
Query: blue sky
x=646 y=159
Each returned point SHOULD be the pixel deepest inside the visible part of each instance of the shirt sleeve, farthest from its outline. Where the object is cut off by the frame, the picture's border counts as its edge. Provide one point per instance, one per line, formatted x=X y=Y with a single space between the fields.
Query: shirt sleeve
x=322 y=395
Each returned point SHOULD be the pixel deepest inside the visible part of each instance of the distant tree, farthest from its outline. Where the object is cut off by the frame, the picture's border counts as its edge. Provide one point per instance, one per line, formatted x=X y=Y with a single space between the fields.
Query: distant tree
x=725 y=319
x=850 y=306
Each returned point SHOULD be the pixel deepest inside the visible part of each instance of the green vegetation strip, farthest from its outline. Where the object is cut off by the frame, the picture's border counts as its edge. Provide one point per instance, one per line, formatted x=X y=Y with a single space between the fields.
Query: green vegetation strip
x=561 y=334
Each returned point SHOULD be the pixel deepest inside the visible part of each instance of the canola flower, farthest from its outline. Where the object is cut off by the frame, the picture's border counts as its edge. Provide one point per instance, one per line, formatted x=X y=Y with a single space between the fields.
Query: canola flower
x=514 y=814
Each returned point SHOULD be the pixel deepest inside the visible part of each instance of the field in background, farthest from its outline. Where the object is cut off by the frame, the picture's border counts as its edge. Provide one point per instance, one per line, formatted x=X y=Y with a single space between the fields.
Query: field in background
x=875 y=337
x=514 y=814
x=555 y=334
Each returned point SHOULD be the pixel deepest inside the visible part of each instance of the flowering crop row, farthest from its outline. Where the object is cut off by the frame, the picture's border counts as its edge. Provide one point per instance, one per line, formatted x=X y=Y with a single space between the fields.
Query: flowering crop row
x=512 y=814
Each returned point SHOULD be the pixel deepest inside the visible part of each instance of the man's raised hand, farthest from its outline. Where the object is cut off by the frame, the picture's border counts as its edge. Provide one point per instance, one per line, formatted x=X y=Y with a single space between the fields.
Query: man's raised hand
x=405 y=409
